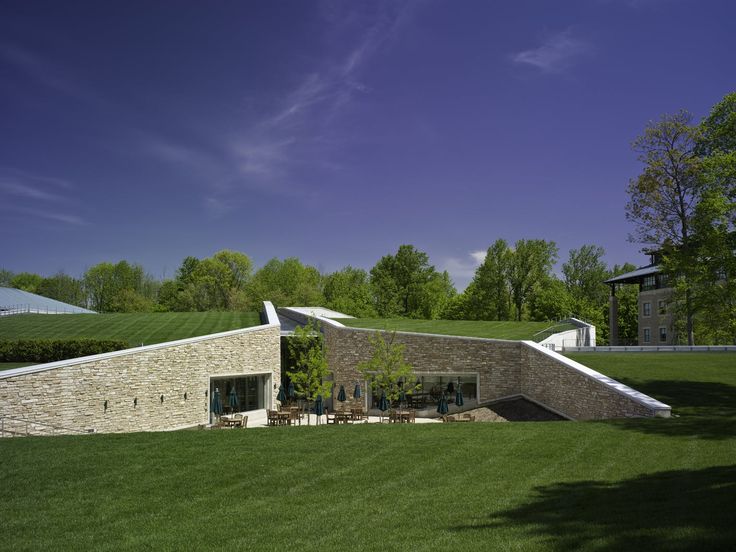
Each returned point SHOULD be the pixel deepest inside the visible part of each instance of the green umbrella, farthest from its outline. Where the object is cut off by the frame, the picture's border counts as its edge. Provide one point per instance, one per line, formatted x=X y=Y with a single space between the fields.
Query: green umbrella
x=292 y=391
x=281 y=397
x=459 y=396
x=216 y=404
x=442 y=406
x=233 y=399
x=383 y=404
x=319 y=407
x=357 y=393
x=341 y=394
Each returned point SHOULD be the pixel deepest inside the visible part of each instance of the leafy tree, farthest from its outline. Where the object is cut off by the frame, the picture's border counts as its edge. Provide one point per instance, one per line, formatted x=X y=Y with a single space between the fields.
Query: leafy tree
x=117 y=287
x=531 y=264
x=489 y=294
x=27 y=281
x=348 y=291
x=585 y=273
x=210 y=285
x=309 y=371
x=387 y=370
x=552 y=301
x=662 y=198
x=6 y=277
x=406 y=284
x=239 y=265
x=63 y=287
x=286 y=283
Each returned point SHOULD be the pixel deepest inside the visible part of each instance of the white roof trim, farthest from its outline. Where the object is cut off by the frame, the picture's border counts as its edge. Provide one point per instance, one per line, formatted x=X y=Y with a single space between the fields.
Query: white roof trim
x=617 y=386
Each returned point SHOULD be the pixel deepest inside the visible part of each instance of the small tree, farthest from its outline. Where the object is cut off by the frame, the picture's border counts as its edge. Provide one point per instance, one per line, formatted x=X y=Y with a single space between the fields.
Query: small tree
x=387 y=370
x=309 y=371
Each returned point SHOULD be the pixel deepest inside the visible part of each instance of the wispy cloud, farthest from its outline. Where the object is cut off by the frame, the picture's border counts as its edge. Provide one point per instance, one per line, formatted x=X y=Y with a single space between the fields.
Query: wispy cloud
x=43 y=72
x=463 y=269
x=270 y=153
x=556 y=55
x=37 y=196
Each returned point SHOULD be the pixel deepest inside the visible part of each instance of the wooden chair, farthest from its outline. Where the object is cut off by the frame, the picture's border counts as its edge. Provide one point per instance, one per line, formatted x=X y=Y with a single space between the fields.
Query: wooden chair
x=273 y=417
x=330 y=417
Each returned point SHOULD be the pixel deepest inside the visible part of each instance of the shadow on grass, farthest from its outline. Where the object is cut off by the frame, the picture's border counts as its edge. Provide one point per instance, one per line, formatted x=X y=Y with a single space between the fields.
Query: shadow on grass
x=672 y=510
x=705 y=410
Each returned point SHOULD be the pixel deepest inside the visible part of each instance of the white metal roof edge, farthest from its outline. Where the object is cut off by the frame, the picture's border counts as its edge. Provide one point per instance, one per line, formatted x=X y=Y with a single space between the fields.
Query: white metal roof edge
x=5 y=374
x=614 y=385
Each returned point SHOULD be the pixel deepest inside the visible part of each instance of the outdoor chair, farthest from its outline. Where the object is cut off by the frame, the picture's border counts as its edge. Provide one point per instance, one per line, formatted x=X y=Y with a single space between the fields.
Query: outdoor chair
x=330 y=417
x=358 y=415
x=273 y=417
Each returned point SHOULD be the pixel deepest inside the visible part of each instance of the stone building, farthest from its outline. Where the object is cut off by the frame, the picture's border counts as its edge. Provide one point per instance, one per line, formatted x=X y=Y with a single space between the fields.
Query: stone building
x=655 y=321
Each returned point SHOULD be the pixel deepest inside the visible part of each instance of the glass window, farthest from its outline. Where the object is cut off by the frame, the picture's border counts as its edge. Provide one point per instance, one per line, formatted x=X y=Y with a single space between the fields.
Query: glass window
x=648 y=282
x=662 y=334
x=662 y=306
x=647 y=335
x=432 y=388
x=647 y=309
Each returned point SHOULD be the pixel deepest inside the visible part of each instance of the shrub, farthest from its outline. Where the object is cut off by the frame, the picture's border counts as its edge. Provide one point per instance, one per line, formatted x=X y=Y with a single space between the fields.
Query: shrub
x=51 y=350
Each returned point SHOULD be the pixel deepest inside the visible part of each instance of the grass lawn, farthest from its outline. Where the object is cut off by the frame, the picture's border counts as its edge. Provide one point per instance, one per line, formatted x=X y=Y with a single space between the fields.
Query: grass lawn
x=135 y=328
x=468 y=328
x=653 y=484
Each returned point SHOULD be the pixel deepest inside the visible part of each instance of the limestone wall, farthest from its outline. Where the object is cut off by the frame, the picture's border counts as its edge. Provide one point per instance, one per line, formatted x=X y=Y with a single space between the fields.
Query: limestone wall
x=505 y=368
x=578 y=392
x=72 y=394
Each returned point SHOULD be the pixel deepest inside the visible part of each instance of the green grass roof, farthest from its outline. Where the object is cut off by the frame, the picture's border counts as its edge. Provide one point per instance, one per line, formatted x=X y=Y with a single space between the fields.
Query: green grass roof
x=467 y=328
x=135 y=328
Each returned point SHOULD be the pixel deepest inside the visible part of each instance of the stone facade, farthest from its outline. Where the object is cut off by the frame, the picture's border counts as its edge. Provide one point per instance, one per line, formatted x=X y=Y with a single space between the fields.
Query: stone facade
x=655 y=313
x=157 y=387
x=503 y=368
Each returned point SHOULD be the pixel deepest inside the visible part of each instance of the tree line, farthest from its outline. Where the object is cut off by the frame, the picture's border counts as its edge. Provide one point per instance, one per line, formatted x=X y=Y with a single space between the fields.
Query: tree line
x=514 y=282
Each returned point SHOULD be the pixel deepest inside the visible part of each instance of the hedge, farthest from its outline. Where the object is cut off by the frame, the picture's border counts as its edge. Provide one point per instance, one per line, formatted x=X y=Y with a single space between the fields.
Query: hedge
x=51 y=350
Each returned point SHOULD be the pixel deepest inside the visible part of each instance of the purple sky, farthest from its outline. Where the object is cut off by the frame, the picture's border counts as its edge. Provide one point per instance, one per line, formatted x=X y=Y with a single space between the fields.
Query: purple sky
x=336 y=131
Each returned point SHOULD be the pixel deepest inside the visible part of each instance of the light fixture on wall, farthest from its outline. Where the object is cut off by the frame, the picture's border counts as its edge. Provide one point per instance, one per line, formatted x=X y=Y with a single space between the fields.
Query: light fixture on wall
x=185 y=395
x=162 y=399
x=135 y=402
x=105 y=406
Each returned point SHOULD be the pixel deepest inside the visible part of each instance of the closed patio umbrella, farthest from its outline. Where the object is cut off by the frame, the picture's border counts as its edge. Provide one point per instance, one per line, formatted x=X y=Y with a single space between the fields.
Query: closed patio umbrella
x=292 y=391
x=357 y=392
x=459 y=396
x=319 y=407
x=216 y=403
x=281 y=397
x=442 y=406
x=341 y=396
x=232 y=400
x=383 y=404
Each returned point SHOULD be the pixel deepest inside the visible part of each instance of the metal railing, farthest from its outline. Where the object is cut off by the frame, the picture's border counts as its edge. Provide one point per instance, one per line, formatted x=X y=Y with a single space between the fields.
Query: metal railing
x=9 y=310
x=21 y=427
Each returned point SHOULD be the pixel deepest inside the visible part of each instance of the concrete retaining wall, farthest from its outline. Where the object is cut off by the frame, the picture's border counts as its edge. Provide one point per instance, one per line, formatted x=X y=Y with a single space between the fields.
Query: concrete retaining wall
x=72 y=393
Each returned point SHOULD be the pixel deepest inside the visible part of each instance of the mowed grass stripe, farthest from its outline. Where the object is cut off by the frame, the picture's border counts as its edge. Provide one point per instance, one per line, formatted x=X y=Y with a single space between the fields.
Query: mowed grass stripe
x=468 y=328
x=135 y=328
